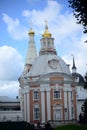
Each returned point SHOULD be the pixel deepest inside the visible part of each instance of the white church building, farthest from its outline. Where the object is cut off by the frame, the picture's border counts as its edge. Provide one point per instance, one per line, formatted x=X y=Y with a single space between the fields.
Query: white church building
x=47 y=90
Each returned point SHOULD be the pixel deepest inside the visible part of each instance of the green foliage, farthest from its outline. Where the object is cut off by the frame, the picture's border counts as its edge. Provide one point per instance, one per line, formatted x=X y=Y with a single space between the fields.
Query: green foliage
x=85 y=85
x=71 y=127
x=21 y=125
x=84 y=109
x=83 y=114
x=80 y=12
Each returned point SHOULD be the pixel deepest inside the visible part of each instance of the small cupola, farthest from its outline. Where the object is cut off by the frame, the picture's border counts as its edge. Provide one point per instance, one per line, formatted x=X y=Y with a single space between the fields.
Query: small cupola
x=47 y=43
x=46 y=33
x=31 y=32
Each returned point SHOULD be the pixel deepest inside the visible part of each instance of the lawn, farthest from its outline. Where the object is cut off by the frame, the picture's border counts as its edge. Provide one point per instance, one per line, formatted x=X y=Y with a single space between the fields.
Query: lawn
x=71 y=127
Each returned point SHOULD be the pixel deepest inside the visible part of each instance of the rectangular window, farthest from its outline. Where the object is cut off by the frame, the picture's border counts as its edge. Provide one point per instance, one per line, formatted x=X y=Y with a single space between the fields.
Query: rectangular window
x=57 y=94
x=71 y=95
x=36 y=113
x=72 y=112
x=36 y=95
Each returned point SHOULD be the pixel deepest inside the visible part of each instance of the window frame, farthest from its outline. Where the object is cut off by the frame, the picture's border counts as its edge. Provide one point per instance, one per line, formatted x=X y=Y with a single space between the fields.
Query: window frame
x=36 y=95
x=36 y=112
x=57 y=94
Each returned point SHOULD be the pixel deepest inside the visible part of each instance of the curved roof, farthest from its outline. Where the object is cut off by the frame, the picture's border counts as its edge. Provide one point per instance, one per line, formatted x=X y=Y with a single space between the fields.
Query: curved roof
x=81 y=79
x=48 y=63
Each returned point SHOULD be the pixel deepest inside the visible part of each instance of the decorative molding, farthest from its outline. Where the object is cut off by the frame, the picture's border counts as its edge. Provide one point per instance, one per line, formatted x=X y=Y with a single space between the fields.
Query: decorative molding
x=53 y=63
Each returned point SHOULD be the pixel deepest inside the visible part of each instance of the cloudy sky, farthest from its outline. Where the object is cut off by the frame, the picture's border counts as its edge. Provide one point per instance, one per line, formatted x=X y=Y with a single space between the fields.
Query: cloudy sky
x=15 y=21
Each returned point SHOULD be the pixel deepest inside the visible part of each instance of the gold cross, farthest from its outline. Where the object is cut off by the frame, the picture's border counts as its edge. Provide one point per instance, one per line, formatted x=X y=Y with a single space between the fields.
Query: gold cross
x=46 y=22
x=31 y=23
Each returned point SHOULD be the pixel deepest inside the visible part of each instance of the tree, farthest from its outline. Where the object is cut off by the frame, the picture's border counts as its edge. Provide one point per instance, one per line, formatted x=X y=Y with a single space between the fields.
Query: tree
x=84 y=112
x=85 y=85
x=80 y=12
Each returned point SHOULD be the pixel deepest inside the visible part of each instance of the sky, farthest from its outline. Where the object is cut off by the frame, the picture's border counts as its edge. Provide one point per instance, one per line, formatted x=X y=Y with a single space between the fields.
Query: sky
x=16 y=17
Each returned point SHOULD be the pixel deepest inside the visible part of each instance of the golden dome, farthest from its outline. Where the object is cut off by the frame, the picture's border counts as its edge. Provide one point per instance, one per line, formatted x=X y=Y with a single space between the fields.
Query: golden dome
x=46 y=33
x=31 y=32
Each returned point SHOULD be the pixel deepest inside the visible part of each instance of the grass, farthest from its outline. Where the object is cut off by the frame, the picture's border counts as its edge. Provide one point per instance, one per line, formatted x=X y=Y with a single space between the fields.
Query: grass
x=71 y=127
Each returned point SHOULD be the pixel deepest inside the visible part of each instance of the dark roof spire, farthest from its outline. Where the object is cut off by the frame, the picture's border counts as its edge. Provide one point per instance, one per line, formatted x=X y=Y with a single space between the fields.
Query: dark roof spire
x=73 y=67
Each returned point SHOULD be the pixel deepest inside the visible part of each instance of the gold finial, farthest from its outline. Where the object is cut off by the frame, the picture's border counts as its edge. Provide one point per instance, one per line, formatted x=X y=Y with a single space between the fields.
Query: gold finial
x=46 y=33
x=46 y=27
x=31 y=32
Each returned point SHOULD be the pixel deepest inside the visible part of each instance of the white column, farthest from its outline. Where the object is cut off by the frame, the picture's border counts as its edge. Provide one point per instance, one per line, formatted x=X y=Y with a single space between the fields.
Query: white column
x=25 y=118
x=69 y=95
x=28 y=108
x=43 y=105
x=48 y=104
x=21 y=99
x=65 y=99
x=65 y=105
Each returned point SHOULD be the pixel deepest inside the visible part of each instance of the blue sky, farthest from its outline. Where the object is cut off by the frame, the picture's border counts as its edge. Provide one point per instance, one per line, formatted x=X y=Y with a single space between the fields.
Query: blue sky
x=15 y=19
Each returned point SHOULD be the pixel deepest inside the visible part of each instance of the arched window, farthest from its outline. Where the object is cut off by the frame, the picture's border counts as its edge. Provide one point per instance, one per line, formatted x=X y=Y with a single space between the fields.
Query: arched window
x=48 y=44
x=44 y=44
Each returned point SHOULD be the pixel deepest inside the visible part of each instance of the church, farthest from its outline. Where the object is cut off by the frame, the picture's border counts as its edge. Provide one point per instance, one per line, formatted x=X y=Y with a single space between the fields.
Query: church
x=47 y=88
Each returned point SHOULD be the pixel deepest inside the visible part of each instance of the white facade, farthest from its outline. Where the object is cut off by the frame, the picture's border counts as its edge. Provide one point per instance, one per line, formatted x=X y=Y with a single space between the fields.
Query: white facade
x=81 y=96
x=46 y=88
x=10 y=109
x=11 y=116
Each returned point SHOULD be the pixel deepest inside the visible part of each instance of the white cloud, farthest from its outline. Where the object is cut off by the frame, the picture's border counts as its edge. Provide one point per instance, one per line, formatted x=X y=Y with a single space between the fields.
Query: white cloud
x=38 y=17
x=68 y=35
x=14 y=28
x=80 y=55
x=9 y=88
x=11 y=64
x=50 y=12
x=60 y=24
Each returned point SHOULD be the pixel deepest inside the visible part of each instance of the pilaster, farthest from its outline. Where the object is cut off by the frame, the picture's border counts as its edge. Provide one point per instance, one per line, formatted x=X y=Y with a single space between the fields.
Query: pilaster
x=48 y=104
x=43 y=111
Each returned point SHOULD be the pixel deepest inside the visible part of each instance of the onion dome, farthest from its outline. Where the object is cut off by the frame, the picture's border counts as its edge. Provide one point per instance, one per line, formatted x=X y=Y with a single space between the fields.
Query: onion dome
x=46 y=33
x=31 y=32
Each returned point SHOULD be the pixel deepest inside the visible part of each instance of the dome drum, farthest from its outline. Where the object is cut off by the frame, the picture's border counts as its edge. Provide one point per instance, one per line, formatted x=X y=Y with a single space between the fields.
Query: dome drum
x=47 y=51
